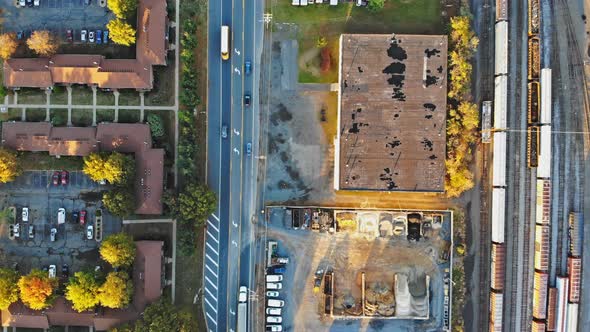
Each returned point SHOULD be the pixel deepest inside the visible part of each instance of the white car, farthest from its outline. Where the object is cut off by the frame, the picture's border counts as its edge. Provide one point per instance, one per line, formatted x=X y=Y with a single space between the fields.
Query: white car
x=274 y=285
x=25 y=214
x=272 y=294
x=31 y=232
x=22 y=3
x=91 y=36
x=83 y=35
x=275 y=303
x=52 y=234
x=36 y=3
x=61 y=216
x=273 y=311
x=16 y=230
x=274 y=278
x=274 y=319
x=274 y=328
x=243 y=296
x=52 y=271
x=89 y=232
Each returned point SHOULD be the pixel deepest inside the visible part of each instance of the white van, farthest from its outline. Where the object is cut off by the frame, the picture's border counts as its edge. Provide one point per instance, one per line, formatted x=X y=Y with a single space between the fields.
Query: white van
x=274 y=278
x=61 y=216
x=274 y=285
x=275 y=303
x=274 y=319
x=273 y=311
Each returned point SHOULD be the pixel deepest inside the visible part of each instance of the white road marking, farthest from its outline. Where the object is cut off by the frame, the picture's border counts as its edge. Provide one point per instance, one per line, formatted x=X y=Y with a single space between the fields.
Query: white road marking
x=211 y=259
x=212 y=306
x=213 y=320
x=214 y=216
x=211 y=224
x=213 y=296
x=211 y=282
x=213 y=237
x=211 y=247
x=232 y=312
x=210 y=270
x=237 y=132
x=234 y=223
x=237 y=52
x=237 y=151
x=234 y=243
x=237 y=70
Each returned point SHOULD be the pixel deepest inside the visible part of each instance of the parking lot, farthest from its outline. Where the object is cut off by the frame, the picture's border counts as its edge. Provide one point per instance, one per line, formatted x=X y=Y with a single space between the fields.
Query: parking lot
x=36 y=191
x=56 y=16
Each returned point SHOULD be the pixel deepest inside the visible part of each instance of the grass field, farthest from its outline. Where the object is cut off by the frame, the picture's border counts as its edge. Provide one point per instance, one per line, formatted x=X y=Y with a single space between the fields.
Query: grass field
x=105 y=116
x=163 y=92
x=82 y=117
x=43 y=161
x=31 y=96
x=128 y=116
x=13 y=114
x=128 y=98
x=81 y=95
x=315 y=21
x=59 y=96
x=36 y=114
x=105 y=98
x=59 y=117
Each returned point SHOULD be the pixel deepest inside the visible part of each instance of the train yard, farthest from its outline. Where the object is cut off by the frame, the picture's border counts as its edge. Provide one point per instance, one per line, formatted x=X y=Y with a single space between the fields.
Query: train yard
x=535 y=216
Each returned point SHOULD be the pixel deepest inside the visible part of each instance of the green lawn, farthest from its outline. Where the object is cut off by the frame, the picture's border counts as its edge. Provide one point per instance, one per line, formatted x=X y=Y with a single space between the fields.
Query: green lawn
x=59 y=96
x=36 y=114
x=128 y=98
x=31 y=96
x=13 y=114
x=59 y=117
x=105 y=98
x=105 y=116
x=43 y=161
x=128 y=116
x=163 y=92
x=82 y=117
x=81 y=95
x=398 y=16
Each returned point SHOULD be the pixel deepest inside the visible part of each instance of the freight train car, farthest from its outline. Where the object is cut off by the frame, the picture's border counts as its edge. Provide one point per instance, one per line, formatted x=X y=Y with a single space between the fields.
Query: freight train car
x=574 y=271
x=498 y=266
x=498 y=214
x=534 y=65
x=501 y=10
x=500 y=102
x=496 y=307
x=534 y=17
x=542 y=248
x=543 y=203
x=546 y=96
x=499 y=160
x=561 y=310
x=575 y=233
x=540 y=292
x=551 y=308
x=544 y=167
x=533 y=146
x=533 y=102
x=501 y=51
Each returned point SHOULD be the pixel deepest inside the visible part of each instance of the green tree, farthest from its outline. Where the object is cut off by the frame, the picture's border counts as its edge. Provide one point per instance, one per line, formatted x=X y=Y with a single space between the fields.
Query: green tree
x=9 y=167
x=122 y=8
x=82 y=291
x=196 y=203
x=121 y=32
x=156 y=125
x=118 y=249
x=37 y=289
x=8 y=293
x=375 y=5
x=120 y=202
x=116 y=291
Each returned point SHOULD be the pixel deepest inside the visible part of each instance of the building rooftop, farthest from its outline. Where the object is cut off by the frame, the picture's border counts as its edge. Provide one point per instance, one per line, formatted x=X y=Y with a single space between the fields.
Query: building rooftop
x=392 y=113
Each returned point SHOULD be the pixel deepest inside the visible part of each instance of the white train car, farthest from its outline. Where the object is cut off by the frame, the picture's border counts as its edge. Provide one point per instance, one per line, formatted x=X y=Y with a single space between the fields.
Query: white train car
x=543 y=203
x=498 y=214
x=545 y=96
x=500 y=102
x=496 y=307
x=501 y=54
x=544 y=165
x=562 y=293
x=572 y=317
x=499 y=160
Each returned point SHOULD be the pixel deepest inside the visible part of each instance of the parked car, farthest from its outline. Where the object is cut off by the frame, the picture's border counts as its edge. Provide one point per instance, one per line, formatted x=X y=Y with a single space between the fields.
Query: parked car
x=99 y=36
x=275 y=303
x=83 y=34
x=19 y=35
x=64 y=178
x=30 y=3
x=55 y=178
x=274 y=319
x=274 y=285
x=52 y=271
x=243 y=295
x=25 y=214
x=65 y=271
x=31 y=231
x=89 y=232
x=272 y=294
x=69 y=35
x=224 y=131
x=87 y=2
x=53 y=234
x=274 y=328
x=75 y=216
x=16 y=230
x=274 y=278
x=105 y=37
x=91 y=36
x=22 y=3
x=36 y=3
x=278 y=270
x=247 y=100
x=248 y=67
x=273 y=311
x=61 y=216
x=249 y=149
x=399 y=226
x=82 y=217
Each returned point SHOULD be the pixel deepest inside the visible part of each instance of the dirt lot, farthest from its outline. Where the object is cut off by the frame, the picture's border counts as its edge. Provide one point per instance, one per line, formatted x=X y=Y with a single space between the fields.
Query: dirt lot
x=348 y=255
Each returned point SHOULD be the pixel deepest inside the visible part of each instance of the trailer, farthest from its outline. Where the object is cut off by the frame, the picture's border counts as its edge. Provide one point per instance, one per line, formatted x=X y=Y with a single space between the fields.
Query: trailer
x=533 y=146
x=574 y=271
x=543 y=203
x=498 y=214
x=576 y=228
x=533 y=102
x=498 y=266
x=537 y=326
x=499 y=160
x=534 y=63
x=500 y=102
x=486 y=121
x=496 y=308
x=542 y=248
x=501 y=10
x=551 y=308
x=540 y=290
x=572 y=317
x=501 y=50
x=561 y=310
x=544 y=168
x=546 y=96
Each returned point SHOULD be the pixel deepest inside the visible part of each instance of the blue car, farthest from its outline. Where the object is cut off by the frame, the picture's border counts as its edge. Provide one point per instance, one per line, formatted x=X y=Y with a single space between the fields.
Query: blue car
x=248 y=67
x=105 y=37
x=99 y=36
x=249 y=149
x=279 y=270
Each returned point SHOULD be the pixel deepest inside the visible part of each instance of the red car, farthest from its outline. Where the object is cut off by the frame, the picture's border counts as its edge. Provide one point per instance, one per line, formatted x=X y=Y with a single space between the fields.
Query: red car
x=64 y=178
x=55 y=178
x=82 y=217
x=69 y=36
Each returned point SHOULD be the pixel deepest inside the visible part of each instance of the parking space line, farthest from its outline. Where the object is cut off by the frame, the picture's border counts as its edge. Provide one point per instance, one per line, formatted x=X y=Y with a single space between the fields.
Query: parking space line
x=211 y=318
x=213 y=237
x=211 y=224
x=211 y=282
x=210 y=270
x=212 y=306
x=211 y=294
x=211 y=259
x=214 y=216
x=211 y=247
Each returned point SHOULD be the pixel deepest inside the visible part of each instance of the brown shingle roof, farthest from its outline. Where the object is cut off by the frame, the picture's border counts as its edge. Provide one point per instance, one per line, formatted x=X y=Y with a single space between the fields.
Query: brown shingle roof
x=147 y=275
x=72 y=141
x=149 y=176
x=26 y=136
x=137 y=73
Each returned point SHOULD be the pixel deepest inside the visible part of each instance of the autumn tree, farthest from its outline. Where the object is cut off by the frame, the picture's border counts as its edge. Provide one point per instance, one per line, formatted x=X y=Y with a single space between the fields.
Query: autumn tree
x=9 y=167
x=8 y=45
x=196 y=203
x=122 y=8
x=121 y=32
x=116 y=291
x=8 y=293
x=118 y=249
x=82 y=291
x=120 y=202
x=43 y=43
x=37 y=289
x=115 y=168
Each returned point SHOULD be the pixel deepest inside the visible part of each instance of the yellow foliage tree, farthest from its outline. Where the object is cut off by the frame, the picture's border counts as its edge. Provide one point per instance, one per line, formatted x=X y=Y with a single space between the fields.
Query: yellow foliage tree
x=122 y=8
x=82 y=291
x=8 y=45
x=37 y=289
x=8 y=293
x=121 y=32
x=43 y=43
x=118 y=249
x=94 y=167
x=116 y=291
x=9 y=168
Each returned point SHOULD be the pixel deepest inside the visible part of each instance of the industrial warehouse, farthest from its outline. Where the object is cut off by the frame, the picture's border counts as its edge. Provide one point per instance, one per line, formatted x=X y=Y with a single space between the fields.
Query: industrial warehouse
x=392 y=113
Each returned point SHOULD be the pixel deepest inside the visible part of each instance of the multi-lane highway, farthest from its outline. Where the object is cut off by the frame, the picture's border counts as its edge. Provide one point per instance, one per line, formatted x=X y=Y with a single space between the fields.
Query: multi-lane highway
x=231 y=168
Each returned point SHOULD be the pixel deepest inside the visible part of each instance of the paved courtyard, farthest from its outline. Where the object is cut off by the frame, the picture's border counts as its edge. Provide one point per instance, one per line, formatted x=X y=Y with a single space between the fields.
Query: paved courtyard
x=35 y=191
x=56 y=16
